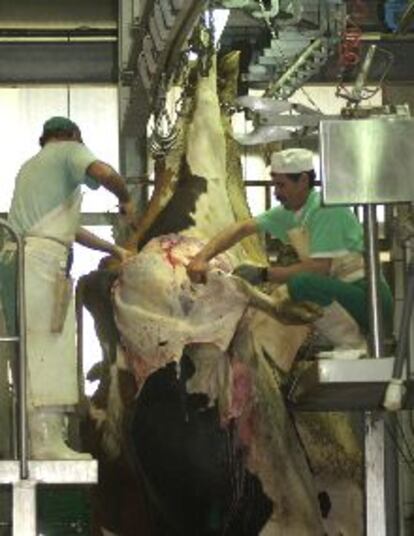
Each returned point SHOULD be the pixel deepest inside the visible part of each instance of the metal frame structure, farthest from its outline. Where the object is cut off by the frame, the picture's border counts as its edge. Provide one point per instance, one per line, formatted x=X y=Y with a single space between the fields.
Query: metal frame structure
x=360 y=385
x=24 y=474
x=379 y=504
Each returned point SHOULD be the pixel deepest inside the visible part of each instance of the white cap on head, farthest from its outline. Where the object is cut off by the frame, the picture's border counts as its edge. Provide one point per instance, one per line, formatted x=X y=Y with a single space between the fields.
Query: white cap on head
x=291 y=161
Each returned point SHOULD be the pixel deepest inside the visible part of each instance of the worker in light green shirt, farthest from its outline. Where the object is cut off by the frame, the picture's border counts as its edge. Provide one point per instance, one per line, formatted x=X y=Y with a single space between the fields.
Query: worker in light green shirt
x=329 y=245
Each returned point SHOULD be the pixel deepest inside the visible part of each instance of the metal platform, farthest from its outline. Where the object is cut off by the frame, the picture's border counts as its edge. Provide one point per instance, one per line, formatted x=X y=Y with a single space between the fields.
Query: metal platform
x=51 y=472
x=24 y=475
x=41 y=472
x=343 y=385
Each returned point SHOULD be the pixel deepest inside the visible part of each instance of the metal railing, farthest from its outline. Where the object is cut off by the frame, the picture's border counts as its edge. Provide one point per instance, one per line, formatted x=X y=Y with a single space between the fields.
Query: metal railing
x=20 y=339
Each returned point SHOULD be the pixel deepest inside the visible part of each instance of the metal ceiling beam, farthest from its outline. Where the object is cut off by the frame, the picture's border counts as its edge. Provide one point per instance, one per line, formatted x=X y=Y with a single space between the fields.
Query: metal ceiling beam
x=58 y=14
x=58 y=63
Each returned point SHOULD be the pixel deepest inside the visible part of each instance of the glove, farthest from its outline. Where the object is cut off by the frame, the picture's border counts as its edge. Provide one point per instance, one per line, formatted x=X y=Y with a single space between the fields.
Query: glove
x=251 y=273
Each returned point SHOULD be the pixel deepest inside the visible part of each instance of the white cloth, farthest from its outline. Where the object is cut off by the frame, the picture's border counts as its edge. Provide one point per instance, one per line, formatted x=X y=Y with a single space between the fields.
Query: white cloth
x=52 y=368
x=52 y=357
x=299 y=240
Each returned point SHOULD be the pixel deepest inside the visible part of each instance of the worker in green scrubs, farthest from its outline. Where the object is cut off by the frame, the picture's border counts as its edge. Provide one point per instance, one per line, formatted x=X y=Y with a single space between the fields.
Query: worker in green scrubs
x=329 y=245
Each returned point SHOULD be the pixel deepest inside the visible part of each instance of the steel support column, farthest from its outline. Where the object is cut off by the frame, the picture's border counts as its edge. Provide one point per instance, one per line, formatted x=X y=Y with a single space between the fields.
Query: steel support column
x=132 y=133
x=381 y=470
x=24 y=508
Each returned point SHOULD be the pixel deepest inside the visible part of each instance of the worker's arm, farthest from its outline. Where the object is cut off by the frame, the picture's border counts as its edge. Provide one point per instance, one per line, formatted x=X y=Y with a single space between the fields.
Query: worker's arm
x=227 y=238
x=112 y=181
x=280 y=274
x=91 y=241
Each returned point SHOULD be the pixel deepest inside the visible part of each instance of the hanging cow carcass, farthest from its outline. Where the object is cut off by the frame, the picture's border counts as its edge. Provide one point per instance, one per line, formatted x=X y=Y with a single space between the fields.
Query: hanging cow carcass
x=211 y=436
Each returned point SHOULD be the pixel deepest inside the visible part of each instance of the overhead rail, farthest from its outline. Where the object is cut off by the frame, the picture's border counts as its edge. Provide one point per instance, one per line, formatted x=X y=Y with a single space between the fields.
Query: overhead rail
x=158 y=37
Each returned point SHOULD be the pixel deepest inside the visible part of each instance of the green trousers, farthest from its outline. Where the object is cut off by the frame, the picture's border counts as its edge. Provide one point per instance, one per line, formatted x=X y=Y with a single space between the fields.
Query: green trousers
x=353 y=297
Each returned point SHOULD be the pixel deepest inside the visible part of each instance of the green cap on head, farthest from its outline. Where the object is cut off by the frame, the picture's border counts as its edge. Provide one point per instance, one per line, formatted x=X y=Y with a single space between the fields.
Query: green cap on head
x=59 y=123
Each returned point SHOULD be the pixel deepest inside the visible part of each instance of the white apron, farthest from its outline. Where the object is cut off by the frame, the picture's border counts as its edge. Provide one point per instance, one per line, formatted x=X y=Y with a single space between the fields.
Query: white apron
x=299 y=239
x=348 y=267
x=52 y=357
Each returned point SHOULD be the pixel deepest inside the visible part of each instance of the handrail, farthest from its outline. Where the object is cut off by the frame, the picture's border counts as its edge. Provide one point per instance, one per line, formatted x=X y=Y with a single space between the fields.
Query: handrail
x=22 y=364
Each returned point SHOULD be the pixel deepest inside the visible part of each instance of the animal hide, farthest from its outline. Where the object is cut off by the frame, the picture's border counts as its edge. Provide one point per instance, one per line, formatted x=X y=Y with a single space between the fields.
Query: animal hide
x=206 y=365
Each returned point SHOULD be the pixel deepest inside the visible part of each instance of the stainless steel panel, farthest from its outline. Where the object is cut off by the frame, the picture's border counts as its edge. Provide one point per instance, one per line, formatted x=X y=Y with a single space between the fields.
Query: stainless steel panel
x=355 y=370
x=341 y=384
x=367 y=160
x=24 y=508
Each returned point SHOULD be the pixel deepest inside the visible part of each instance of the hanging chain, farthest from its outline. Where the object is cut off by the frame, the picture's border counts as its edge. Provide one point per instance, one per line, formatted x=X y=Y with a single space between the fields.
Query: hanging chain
x=164 y=133
x=201 y=43
x=266 y=18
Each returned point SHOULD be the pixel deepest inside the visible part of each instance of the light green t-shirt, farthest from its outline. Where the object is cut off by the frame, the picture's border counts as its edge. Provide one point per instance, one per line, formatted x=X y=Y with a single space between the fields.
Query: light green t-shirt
x=47 y=179
x=333 y=231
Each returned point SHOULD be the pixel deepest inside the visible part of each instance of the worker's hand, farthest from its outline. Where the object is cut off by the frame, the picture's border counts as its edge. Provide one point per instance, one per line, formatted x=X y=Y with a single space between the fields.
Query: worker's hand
x=255 y=275
x=128 y=210
x=197 y=270
x=122 y=254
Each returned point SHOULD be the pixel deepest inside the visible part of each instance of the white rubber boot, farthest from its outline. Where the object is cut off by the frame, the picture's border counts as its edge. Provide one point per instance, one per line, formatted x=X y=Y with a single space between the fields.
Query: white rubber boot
x=338 y=326
x=46 y=433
